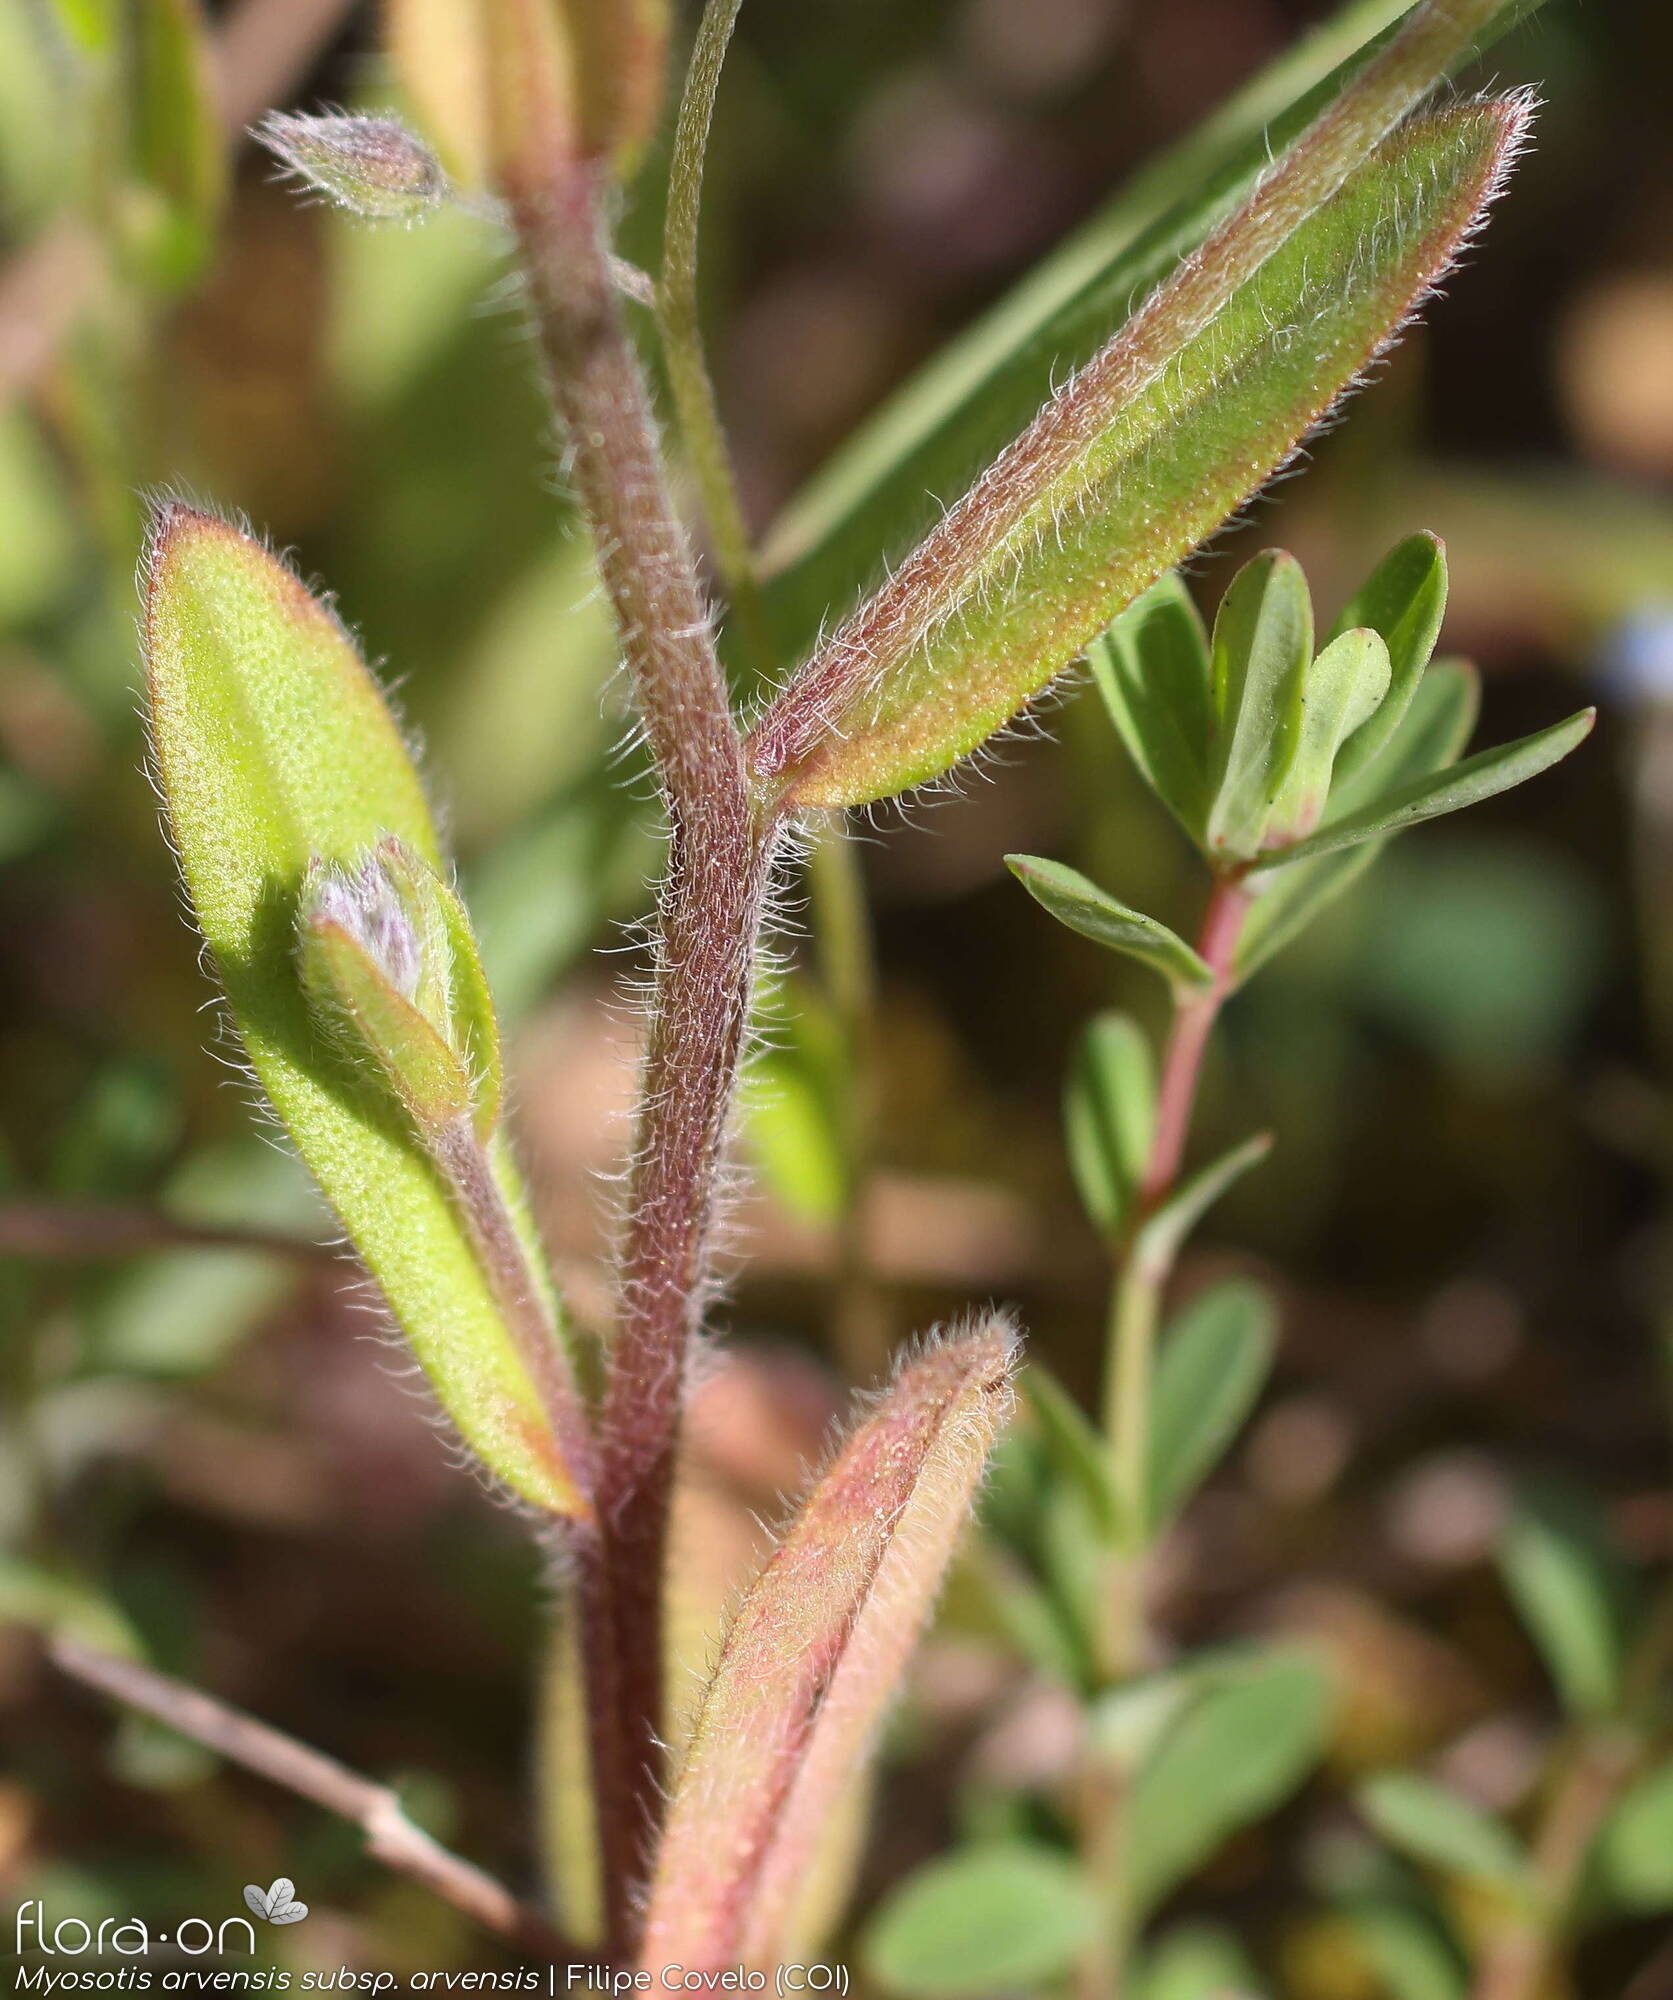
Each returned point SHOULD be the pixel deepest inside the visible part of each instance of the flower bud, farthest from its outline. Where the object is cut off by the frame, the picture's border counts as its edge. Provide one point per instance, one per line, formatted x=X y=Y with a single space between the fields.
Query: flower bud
x=374 y=167
x=391 y=972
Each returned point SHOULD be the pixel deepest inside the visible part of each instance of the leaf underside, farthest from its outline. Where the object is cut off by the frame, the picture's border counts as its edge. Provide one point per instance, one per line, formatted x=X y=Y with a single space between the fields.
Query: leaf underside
x=1211 y=428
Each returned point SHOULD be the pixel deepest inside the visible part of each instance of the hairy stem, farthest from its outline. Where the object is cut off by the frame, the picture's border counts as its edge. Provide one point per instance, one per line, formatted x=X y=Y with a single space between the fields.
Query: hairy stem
x=374 y=1808
x=719 y=858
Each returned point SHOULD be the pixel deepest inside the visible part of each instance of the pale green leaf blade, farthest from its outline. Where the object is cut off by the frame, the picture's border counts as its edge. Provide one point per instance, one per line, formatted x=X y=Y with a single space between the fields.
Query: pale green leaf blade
x=274 y=747
x=1262 y=649
x=1342 y=689
x=1196 y=1961
x=1443 y=1830
x=1634 y=1865
x=1152 y=670
x=1109 y=1116
x=992 y=1920
x=179 y=153
x=1431 y=737
x=1403 y=600
x=1480 y=777
x=1210 y=1371
x=1240 y=1750
x=886 y=486
x=1567 y=1582
x=1079 y=903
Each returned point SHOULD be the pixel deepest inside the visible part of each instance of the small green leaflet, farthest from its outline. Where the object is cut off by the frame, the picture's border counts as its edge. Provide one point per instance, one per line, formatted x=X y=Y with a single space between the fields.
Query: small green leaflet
x=1074 y=900
x=1480 y=777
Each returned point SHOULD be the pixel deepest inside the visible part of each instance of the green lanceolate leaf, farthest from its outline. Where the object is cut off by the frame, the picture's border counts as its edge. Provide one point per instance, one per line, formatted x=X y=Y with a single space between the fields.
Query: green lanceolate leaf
x=1403 y=601
x=886 y=486
x=1436 y=1826
x=1166 y=1228
x=1079 y=903
x=1262 y=647
x=995 y=1919
x=1568 y=1583
x=1341 y=690
x=1634 y=1863
x=1140 y=457
x=1109 y=1117
x=179 y=155
x=1153 y=672
x=276 y=754
x=813 y=1655
x=1480 y=777
x=1213 y=1364
x=1257 y=1729
x=1431 y=737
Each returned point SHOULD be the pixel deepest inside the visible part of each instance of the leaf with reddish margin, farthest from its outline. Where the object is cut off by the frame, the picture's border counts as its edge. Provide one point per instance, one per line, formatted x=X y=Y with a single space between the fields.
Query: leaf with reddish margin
x=814 y=1654
x=1123 y=473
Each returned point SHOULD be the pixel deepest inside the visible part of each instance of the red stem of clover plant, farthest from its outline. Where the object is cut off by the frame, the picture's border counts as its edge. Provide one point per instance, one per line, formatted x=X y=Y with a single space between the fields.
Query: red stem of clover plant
x=1193 y=1023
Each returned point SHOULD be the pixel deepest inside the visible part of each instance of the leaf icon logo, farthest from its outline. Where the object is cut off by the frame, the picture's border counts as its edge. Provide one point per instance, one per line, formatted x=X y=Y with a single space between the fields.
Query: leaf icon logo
x=277 y=1903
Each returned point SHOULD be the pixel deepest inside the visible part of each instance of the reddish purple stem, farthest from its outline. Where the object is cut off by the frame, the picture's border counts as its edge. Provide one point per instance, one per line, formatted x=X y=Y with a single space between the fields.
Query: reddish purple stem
x=1193 y=1023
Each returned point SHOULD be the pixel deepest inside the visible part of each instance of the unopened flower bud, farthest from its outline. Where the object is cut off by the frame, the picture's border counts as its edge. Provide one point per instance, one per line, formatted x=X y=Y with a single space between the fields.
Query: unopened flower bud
x=391 y=972
x=374 y=167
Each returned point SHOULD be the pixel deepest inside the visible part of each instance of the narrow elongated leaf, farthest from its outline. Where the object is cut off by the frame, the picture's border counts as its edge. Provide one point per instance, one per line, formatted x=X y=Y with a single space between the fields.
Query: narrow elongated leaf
x=1109 y=1116
x=890 y=481
x=1152 y=669
x=1257 y=1730
x=1141 y=457
x=1075 y=900
x=992 y=1920
x=1210 y=1372
x=1341 y=690
x=1635 y=1851
x=179 y=153
x=1403 y=601
x=275 y=750
x=1480 y=777
x=1197 y=1961
x=1164 y=1231
x=1568 y=1582
x=1431 y=737
x=1262 y=648
x=814 y=1653
x=1436 y=1826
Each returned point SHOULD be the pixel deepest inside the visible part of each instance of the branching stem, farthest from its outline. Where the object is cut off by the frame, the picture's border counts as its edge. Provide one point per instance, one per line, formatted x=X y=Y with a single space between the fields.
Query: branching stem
x=720 y=856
